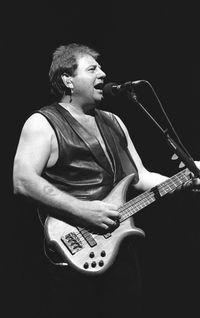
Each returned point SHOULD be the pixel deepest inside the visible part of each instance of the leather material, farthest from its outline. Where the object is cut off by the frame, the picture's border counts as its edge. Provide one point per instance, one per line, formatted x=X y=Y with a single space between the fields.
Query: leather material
x=83 y=169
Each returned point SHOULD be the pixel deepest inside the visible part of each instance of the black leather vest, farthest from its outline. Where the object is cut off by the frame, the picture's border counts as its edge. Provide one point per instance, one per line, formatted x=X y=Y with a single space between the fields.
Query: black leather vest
x=82 y=168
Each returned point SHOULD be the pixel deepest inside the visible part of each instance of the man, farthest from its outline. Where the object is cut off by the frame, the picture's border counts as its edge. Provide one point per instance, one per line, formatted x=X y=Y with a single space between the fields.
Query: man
x=69 y=157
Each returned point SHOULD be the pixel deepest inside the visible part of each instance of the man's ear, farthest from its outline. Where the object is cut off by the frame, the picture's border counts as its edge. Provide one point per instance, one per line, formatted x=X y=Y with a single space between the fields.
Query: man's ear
x=67 y=80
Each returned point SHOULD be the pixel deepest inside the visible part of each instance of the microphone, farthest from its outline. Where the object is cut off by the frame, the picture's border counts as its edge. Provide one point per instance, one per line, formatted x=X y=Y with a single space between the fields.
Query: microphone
x=113 y=89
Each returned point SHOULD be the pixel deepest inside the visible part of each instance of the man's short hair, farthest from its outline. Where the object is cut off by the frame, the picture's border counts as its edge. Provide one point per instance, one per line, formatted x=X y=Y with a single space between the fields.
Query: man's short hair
x=65 y=62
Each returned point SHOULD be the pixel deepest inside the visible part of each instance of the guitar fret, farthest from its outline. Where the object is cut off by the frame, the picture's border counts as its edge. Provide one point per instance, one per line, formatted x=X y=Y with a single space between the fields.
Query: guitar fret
x=148 y=197
x=139 y=203
x=174 y=182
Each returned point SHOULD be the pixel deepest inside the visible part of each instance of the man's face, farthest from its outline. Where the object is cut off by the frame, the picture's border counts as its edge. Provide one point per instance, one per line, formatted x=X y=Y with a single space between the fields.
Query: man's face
x=88 y=81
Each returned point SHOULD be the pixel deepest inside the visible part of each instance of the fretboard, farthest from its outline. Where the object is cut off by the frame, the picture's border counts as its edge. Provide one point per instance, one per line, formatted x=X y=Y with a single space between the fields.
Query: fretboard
x=150 y=196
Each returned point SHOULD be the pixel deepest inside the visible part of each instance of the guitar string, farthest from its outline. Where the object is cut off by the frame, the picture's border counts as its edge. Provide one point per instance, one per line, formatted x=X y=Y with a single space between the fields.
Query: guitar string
x=161 y=187
x=151 y=196
x=142 y=200
x=146 y=198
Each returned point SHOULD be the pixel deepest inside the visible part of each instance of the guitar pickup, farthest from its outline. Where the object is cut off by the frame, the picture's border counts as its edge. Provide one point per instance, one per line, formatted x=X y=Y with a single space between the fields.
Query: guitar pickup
x=72 y=242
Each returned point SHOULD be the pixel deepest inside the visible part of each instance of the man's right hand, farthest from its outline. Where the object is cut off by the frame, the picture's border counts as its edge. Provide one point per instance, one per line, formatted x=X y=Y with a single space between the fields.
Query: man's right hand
x=99 y=214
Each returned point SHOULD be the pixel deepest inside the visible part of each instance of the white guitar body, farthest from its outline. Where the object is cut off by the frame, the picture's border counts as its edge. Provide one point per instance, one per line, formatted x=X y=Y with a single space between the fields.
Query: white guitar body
x=95 y=259
x=93 y=253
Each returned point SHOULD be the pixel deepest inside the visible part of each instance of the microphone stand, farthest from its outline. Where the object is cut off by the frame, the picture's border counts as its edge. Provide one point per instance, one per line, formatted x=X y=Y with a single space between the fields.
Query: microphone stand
x=182 y=153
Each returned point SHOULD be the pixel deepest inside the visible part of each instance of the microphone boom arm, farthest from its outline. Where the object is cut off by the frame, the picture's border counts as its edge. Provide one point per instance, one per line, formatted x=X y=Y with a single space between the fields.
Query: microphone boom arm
x=181 y=153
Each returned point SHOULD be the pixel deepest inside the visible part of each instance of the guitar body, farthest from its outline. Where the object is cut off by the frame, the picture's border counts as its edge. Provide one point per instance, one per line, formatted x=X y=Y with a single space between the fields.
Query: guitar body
x=93 y=253
x=88 y=252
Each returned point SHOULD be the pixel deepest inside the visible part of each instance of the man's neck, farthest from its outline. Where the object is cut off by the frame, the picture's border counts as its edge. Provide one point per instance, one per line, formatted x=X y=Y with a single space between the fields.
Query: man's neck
x=75 y=108
x=77 y=111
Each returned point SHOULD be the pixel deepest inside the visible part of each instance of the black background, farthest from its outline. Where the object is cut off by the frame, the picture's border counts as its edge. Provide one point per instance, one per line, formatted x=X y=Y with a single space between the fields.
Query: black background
x=158 y=42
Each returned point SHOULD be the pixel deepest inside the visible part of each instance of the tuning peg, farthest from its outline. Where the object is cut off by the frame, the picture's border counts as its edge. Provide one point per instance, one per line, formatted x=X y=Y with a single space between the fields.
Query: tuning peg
x=181 y=165
x=174 y=157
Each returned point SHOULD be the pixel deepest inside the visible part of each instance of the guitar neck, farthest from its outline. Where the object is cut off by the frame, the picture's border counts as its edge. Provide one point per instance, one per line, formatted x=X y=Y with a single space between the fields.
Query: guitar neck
x=150 y=196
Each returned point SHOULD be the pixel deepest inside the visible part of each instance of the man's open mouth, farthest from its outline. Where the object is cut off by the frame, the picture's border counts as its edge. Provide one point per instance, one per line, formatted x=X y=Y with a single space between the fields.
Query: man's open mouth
x=99 y=86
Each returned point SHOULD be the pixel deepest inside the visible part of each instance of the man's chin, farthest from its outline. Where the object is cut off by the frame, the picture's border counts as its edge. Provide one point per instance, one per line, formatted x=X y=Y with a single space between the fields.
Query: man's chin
x=99 y=101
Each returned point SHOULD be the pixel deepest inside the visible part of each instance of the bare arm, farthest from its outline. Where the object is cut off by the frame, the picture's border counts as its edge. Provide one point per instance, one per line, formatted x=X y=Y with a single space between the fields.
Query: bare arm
x=147 y=179
x=36 y=150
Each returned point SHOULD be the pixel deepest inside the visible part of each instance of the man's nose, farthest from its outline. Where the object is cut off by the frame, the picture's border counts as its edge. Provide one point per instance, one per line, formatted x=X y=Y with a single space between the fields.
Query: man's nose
x=101 y=74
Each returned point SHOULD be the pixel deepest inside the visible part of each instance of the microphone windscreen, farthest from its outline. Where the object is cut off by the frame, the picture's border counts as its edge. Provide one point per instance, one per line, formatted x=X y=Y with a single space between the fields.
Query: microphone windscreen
x=108 y=89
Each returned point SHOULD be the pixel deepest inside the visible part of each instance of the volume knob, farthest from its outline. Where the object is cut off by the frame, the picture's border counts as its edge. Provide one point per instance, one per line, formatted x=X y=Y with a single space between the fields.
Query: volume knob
x=101 y=263
x=94 y=264
x=103 y=253
x=86 y=265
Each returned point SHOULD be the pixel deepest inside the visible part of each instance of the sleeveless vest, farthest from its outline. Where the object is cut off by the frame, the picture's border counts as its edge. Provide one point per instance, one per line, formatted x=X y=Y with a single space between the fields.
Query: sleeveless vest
x=82 y=168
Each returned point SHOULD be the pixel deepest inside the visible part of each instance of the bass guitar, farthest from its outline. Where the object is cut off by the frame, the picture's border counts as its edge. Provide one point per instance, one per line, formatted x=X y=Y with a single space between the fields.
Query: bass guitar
x=93 y=253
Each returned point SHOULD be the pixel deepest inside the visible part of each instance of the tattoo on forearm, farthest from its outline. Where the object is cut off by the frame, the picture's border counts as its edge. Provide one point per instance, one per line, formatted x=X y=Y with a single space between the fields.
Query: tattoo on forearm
x=49 y=190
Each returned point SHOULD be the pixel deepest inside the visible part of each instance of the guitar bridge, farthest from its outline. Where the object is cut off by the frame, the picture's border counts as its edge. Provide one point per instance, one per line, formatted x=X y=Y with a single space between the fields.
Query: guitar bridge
x=72 y=242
